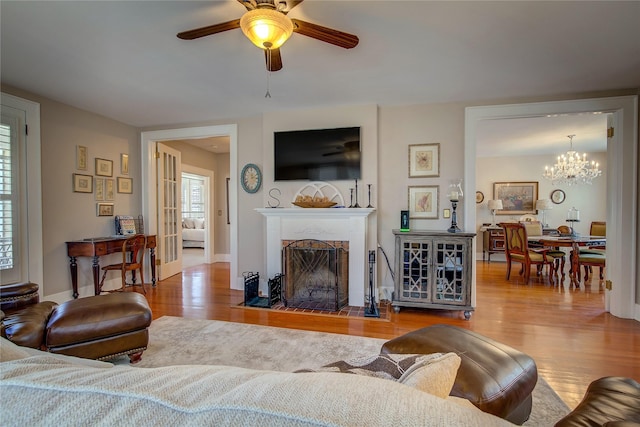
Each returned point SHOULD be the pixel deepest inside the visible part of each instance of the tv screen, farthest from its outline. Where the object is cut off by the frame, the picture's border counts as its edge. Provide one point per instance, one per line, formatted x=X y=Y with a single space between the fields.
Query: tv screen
x=317 y=154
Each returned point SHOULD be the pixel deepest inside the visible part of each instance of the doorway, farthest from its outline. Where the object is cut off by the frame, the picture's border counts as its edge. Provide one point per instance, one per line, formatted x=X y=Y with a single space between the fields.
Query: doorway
x=149 y=174
x=622 y=196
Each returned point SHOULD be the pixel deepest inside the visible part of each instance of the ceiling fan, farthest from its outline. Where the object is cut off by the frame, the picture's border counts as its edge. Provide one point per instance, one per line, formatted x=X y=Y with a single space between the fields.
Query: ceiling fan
x=267 y=25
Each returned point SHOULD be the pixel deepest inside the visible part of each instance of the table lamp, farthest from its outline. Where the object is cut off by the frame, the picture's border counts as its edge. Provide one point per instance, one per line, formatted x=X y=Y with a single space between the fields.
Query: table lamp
x=494 y=205
x=544 y=205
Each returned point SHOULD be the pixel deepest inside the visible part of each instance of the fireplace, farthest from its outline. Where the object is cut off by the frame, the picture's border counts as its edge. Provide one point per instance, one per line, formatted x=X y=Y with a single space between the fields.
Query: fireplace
x=316 y=274
x=347 y=225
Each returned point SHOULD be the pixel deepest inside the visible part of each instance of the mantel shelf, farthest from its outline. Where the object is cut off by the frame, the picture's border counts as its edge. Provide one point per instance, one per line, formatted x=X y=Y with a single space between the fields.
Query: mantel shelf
x=324 y=212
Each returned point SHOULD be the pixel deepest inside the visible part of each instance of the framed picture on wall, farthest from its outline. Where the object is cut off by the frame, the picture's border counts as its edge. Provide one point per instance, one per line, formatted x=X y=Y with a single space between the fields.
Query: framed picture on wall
x=109 y=190
x=81 y=157
x=424 y=160
x=82 y=183
x=518 y=198
x=124 y=164
x=125 y=185
x=104 y=167
x=104 y=209
x=99 y=189
x=423 y=202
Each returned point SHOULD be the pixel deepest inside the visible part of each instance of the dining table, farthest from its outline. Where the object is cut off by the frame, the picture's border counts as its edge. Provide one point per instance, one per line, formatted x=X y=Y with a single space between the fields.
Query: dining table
x=573 y=242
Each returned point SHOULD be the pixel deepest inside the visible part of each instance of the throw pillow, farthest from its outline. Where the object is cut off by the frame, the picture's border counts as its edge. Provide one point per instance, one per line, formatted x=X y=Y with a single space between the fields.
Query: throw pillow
x=188 y=223
x=198 y=223
x=432 y=373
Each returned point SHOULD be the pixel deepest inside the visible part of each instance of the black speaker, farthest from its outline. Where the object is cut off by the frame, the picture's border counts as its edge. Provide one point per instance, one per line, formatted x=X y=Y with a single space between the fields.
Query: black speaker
x=404 y=220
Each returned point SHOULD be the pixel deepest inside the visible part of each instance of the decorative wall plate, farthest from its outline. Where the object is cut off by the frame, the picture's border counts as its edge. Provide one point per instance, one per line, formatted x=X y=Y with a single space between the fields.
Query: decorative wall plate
x=251 y=178
x=558 y=196
x=479 y=197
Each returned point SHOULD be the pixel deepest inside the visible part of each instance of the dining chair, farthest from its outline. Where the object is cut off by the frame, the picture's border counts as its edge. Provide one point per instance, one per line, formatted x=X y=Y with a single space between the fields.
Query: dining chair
x=534 y=229
x=593 y=256
x=517 y=250
x=132 y=260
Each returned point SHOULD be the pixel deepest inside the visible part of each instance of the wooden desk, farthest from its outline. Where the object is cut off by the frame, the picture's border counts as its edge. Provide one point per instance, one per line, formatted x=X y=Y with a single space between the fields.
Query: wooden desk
x=574 y=243
x=96 y=247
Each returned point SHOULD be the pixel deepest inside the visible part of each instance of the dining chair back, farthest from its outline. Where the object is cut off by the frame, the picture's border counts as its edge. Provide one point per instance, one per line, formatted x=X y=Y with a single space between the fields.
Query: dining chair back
x=132 y=260
x=517 y=250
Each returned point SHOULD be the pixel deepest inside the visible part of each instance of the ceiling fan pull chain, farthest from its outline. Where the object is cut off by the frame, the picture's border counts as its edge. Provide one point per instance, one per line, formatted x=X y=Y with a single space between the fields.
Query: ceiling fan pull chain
x=268 y=95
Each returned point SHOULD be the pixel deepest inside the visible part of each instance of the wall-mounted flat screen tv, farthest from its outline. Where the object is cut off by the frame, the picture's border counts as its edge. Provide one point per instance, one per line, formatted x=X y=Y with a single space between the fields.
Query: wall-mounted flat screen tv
x=317 y=154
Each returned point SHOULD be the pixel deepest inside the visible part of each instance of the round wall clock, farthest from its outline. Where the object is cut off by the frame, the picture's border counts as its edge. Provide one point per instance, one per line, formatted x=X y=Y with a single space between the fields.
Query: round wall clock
x=558 y=196
x=251 y=178
x=479 y=197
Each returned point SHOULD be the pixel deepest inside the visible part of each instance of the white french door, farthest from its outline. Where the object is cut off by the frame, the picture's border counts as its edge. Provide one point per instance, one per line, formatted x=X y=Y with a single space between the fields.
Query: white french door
x=169 y=211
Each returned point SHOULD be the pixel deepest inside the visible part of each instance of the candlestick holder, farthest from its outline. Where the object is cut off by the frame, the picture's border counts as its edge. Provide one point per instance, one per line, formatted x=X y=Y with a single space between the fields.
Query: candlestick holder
x=455 y=194
x=369 y=189
x=351 y=204
x=454 y=218
x=356 y=205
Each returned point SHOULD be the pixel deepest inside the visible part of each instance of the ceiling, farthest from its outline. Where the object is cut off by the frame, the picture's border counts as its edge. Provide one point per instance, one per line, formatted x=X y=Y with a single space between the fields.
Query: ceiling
x=122 y=59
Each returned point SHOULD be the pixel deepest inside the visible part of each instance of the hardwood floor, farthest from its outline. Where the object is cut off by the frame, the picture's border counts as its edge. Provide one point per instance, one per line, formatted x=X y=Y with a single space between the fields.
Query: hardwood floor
x=566 y=330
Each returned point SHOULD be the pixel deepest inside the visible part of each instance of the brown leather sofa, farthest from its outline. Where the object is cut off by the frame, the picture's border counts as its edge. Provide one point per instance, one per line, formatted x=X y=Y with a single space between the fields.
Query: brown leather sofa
x=609 y=401
x=99 y=327
x=496 y=378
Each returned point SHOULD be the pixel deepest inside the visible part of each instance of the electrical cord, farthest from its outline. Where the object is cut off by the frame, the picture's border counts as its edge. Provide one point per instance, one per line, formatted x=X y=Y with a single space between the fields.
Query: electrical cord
x=393 y=276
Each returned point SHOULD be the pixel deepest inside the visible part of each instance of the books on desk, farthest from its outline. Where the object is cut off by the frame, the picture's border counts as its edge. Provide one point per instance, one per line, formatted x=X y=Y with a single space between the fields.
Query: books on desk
x=125 y=225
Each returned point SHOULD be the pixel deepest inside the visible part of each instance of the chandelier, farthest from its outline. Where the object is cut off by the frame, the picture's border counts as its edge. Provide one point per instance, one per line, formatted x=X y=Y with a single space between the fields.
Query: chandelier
x=571 y=168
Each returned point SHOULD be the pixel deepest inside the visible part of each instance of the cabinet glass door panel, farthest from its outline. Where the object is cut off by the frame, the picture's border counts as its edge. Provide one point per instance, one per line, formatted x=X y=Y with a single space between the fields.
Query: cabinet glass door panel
x=416 y=273
x=450 y=272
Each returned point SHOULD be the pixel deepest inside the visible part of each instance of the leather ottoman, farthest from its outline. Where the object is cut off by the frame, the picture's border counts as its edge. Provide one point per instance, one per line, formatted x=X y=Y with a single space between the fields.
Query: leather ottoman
x=494 y=377
x=100 y=327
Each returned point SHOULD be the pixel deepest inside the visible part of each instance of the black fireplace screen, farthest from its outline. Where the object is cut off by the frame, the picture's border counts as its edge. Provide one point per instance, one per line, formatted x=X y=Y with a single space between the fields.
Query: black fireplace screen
x=316 y=274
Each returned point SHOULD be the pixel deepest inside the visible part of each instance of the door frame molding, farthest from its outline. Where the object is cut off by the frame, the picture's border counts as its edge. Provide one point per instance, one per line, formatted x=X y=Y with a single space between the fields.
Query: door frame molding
x=148 y=141
x=622 y=184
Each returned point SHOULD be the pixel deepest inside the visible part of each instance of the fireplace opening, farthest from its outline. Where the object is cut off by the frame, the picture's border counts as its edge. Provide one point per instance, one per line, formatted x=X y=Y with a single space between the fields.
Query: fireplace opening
x=316 y=274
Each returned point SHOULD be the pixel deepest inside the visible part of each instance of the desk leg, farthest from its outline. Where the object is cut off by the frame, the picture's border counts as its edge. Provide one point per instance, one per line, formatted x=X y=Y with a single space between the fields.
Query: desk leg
x=96 y=274
x=152 y=257
x=74 y=275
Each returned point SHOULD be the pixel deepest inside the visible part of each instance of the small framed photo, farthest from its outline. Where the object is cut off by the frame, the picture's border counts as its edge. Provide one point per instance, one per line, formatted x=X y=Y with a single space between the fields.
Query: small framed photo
x=109 y=189
x=424 y=160
x=104 y=167
x=81 y=157
x=125 y=185
x=99 y=189
x=104 y=209
x=124 y=164
x=82 y=183
x=518 y=198
x=423 y=202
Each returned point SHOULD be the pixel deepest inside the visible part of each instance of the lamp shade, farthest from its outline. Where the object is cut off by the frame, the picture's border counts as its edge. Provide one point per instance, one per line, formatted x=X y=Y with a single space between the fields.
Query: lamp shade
x=544 y=204
x=266 y=28
x=495 y=204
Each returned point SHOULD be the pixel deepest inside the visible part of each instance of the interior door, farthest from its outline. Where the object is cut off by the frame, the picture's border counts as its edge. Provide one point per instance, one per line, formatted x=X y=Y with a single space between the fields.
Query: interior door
x=169 y=211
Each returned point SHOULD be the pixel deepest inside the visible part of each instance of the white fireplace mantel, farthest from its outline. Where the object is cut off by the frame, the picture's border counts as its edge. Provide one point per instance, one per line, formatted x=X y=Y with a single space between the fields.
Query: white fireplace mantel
x=345 y=224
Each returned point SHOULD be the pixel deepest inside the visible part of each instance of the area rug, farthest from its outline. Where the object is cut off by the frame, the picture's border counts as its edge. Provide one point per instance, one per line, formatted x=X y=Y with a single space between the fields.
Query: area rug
x=179 y=341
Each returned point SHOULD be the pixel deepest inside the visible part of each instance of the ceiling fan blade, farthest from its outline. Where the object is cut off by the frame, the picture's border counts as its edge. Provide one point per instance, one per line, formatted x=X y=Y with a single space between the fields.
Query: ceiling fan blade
x=327 y=35
x=209 y=30
x=273 y=59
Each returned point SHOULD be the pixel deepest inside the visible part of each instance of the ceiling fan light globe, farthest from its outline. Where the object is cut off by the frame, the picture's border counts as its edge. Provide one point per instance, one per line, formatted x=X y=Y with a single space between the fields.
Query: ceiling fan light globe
x=266 y=28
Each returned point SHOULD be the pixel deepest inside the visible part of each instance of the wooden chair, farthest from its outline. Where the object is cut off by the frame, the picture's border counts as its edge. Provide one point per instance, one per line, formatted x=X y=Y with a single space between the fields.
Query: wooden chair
x=534 y=229
x=517 y=250
x=133 y=249
x=593 y=256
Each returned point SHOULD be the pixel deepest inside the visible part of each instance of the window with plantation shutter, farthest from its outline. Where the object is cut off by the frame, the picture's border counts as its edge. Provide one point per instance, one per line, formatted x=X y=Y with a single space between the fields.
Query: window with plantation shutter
x=9 y=201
